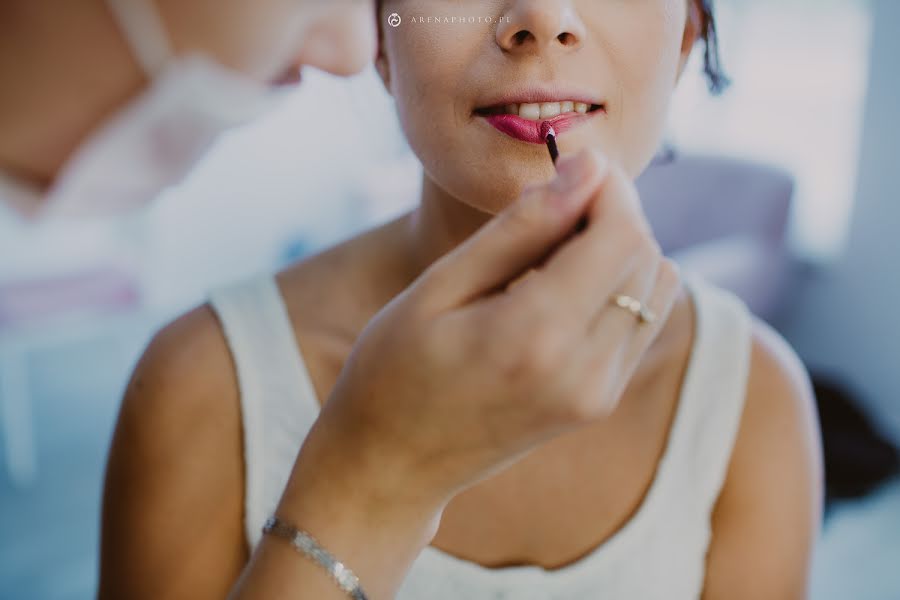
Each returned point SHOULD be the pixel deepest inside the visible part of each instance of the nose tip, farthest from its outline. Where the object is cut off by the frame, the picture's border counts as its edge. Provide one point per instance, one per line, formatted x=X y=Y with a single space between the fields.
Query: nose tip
x=524 y=37
x=335 y=53
x=539 y=26
x=342 y=42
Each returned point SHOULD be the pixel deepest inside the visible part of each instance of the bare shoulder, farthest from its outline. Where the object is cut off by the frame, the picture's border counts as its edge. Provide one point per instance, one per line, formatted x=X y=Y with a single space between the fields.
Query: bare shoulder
x=185 y=378
x=767 y=516
x=780 y=414
x=172 y=513
x=776 y=370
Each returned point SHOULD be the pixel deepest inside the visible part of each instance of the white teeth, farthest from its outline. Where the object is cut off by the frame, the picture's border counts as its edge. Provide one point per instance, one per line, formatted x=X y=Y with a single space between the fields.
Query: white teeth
x=550 y=110
x=546 y=110
x=532 y=112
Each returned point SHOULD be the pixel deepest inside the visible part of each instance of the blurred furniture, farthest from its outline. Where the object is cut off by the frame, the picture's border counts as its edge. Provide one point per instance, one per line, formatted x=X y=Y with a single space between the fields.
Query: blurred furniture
x=725 y=219
x=48 y=312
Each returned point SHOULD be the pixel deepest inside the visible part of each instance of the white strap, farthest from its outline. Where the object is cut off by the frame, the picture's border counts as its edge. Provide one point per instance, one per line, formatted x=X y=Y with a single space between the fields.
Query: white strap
x=143 y=28
x=707 y=427
x=278 y=400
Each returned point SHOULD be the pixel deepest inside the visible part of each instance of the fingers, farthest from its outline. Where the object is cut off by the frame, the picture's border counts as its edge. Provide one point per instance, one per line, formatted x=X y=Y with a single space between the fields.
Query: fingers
x=639 y=285
x=615 y=254
x=666 y=291
x=619 y=342
x=519 y=237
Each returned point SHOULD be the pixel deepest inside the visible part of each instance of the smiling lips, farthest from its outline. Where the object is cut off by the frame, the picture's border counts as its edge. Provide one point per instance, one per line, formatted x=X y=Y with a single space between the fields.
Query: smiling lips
x=523 y=121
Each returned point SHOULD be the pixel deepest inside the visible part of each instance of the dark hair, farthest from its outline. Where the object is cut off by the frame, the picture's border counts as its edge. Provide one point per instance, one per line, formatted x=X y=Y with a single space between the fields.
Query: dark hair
x=712 y=63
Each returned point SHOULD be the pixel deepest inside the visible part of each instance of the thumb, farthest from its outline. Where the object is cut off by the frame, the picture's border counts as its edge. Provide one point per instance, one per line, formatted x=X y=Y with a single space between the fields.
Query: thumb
x=518 y=238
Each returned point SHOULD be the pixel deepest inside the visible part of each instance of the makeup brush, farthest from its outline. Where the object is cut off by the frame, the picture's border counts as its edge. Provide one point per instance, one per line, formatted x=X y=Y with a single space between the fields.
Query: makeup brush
x=549 y=136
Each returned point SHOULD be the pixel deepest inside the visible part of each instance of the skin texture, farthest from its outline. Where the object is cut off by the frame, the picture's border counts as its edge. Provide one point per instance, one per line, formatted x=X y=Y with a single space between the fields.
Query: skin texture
x=172 y=525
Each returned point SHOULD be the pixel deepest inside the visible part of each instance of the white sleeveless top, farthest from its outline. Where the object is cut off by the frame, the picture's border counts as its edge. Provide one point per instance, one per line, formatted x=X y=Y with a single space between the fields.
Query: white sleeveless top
x=658 y=555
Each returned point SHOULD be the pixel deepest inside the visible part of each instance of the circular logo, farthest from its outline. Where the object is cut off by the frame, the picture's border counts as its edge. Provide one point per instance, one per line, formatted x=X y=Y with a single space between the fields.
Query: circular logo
x=394 y=20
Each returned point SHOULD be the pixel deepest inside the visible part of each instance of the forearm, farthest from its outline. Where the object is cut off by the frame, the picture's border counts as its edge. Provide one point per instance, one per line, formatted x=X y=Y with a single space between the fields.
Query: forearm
x=379 y=557
x=375 y=530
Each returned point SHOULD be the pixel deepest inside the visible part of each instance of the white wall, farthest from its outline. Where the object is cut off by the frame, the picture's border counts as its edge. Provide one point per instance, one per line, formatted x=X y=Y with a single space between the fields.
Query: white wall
x=847 y=318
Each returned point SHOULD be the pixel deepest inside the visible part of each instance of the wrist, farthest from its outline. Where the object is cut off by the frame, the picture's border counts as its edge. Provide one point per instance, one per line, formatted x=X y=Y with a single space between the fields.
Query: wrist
x=349 y=508
x=355 y=492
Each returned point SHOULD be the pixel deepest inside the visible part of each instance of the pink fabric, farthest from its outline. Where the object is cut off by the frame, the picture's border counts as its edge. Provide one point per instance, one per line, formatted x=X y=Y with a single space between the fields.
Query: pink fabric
x=100 y=290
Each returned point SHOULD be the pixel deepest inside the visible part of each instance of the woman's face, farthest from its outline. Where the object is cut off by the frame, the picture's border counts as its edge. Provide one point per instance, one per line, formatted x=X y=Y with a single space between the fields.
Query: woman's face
x=473 y=85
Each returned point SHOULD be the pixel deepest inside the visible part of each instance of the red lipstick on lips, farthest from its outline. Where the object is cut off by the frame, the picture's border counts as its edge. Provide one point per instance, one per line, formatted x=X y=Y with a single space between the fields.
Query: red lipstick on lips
x=496 y=113
x=530 y=131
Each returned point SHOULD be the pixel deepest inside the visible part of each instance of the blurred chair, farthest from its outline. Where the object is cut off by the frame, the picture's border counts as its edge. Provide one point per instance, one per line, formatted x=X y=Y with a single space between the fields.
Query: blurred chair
x=45 y=313
x=725 y=219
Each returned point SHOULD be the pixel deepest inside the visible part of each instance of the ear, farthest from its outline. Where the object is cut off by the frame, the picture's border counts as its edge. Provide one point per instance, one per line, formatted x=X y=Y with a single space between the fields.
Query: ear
x=694 y=25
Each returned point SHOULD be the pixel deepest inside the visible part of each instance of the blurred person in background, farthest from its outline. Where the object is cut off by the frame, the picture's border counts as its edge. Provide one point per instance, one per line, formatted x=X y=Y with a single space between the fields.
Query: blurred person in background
x=701 y=479
x=107 y=103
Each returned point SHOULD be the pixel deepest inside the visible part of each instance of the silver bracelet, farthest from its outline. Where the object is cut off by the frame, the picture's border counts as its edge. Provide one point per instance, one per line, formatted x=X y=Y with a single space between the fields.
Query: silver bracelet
x=310 y=548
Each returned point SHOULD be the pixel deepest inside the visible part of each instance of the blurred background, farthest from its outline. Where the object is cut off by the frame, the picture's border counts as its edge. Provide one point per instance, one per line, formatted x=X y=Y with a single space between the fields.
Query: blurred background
x=784 y=190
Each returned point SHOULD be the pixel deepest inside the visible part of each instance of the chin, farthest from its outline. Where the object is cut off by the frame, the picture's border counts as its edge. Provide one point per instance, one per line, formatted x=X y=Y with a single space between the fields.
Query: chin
x=493 y=187
x=495 y=198
x=492 y=209
x=483 y=203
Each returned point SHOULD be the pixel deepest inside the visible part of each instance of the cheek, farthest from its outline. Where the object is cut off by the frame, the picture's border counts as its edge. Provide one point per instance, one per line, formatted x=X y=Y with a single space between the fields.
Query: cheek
x=431 y=77
x=646 y=68
x=422 y=84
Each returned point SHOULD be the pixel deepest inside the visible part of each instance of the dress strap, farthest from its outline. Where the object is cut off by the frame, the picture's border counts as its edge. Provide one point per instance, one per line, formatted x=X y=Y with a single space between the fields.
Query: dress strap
x=714 y=393
x=278 y=400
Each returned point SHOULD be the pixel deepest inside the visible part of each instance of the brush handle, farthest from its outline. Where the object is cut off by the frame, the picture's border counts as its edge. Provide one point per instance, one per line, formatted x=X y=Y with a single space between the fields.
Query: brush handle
x=551 y=146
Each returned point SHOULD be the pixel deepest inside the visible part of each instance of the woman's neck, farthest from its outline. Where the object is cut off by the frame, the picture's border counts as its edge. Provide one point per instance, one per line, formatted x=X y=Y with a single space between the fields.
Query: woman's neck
x=364 y=274
x=439 y=224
